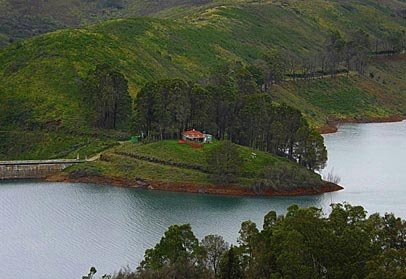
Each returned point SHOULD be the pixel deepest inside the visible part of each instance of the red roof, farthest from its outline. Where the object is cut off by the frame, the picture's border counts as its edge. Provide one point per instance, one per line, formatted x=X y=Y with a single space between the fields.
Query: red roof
x=193 y=134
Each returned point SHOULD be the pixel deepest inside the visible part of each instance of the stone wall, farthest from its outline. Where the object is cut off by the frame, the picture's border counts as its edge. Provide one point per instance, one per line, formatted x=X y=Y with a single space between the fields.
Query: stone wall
x=32 y=169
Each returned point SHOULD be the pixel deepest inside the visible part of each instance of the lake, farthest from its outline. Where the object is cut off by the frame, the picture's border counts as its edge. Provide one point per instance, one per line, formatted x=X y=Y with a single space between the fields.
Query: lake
x=59 y=230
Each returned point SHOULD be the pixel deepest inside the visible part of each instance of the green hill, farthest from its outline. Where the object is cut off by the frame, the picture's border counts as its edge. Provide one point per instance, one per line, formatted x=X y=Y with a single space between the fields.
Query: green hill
x=173 y=163
x=26 y=18
x=42 y=113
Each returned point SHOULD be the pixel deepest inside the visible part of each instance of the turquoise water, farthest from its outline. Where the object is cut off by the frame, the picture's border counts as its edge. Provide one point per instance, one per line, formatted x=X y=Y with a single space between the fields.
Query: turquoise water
x=51 y=230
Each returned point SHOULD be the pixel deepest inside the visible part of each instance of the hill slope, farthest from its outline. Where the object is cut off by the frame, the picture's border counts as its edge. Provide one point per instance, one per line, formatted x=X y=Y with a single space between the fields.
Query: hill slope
x=26 y=18
x=167 y=165
x=41 y=78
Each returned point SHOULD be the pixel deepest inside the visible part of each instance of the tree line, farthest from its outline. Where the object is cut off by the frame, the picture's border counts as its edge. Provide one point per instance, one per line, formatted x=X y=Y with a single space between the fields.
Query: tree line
x=230 y=105
x=105 y=89
x=105 y=94
x=234 y=102
x=338 y=55
x=303 y=243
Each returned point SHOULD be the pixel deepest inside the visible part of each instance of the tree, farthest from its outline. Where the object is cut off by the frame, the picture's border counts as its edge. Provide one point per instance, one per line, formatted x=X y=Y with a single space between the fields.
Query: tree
x=362 y=45
x=107 y=95
x=214 y=247
x=390 y=264
x=224 y=162
x=230 y=265
x=178 y=249
x=334 y=49
x=303 y=243
x=248 y=241
x=165 y=108
x=310 y=150
x=277 y=66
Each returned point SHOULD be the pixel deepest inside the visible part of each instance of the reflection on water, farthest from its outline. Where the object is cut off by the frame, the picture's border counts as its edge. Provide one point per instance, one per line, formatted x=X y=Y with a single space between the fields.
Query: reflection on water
x=51 y=230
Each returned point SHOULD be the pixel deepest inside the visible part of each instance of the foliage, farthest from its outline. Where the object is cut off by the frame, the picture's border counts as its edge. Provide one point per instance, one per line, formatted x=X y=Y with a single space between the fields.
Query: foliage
x=42 y=78
x=303 y=243
x=169 y=161
x=179 y=251
x=279 y=177
x=166 y=108
x=86 y=170
x=225 y=163
x=106 y=93
x=214 y=248
x=230 y=107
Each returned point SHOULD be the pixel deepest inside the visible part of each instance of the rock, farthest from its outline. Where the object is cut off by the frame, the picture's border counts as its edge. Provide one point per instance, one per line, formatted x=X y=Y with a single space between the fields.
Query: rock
x=142 y=184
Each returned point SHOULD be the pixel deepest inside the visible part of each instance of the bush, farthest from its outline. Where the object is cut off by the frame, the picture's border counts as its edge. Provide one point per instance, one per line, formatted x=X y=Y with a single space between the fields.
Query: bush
x=331 y=177
x=84 y=171
x=286 y=177
x=224 y=163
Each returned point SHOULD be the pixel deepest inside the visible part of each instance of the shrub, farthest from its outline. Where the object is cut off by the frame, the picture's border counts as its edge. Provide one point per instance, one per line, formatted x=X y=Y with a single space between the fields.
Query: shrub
x=84 y=171
x=224 y=163
x=286 y=177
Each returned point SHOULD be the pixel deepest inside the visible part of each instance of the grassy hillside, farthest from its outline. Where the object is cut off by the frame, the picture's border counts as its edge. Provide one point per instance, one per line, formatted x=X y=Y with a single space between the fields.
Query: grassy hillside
x=26 y=18
x=350 y=97
x=41 y=78
x=168 y=161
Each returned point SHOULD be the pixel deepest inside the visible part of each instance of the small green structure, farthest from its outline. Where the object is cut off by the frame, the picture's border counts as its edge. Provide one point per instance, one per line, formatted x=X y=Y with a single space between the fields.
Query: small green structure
x=135 y=139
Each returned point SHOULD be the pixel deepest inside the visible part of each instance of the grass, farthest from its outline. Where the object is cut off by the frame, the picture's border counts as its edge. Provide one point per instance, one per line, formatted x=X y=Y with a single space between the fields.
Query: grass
x=168 y=161
x=39 y=145
x=349 y=97
x=171 y=151
x=40 y=78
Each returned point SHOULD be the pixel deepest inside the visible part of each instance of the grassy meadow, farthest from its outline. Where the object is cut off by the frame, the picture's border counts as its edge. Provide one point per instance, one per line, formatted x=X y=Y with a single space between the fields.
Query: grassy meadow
x=169 y=161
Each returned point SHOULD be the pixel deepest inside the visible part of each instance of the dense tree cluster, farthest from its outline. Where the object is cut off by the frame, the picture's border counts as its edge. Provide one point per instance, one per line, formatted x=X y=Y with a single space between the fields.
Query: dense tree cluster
x=230 y=105
x=225 y=163
x=303 y=243
x=107 y=97
x=342 y=55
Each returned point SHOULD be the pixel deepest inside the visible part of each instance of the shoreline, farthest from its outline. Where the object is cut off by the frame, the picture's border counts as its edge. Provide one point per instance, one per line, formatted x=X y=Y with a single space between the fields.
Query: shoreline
x=332 y=125
x=225 y=190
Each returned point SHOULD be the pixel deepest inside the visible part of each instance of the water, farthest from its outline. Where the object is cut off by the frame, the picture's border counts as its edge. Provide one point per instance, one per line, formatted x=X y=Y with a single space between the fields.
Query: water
x=371 y=161
x=51 y=230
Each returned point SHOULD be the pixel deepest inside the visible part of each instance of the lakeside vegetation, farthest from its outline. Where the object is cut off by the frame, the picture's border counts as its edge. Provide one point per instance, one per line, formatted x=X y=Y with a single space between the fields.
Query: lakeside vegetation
x=230 y=106
x=42 y=78
x=170 y=162
x=303 y=243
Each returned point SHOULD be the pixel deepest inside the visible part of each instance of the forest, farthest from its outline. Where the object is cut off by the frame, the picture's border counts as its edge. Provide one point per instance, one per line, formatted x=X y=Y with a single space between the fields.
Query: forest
x=303 y=243
x=230 y=105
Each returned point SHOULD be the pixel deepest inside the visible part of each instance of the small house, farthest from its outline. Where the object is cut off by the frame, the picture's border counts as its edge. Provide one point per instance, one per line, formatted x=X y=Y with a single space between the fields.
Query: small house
x=196 y=136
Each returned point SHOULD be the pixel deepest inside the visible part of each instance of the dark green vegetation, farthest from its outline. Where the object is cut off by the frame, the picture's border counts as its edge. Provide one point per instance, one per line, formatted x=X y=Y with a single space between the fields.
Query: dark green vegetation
x=169 y=161
x=230 y=106
x=41 y=79
x=224 y=163
x=106 y=96
x=303 y=243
